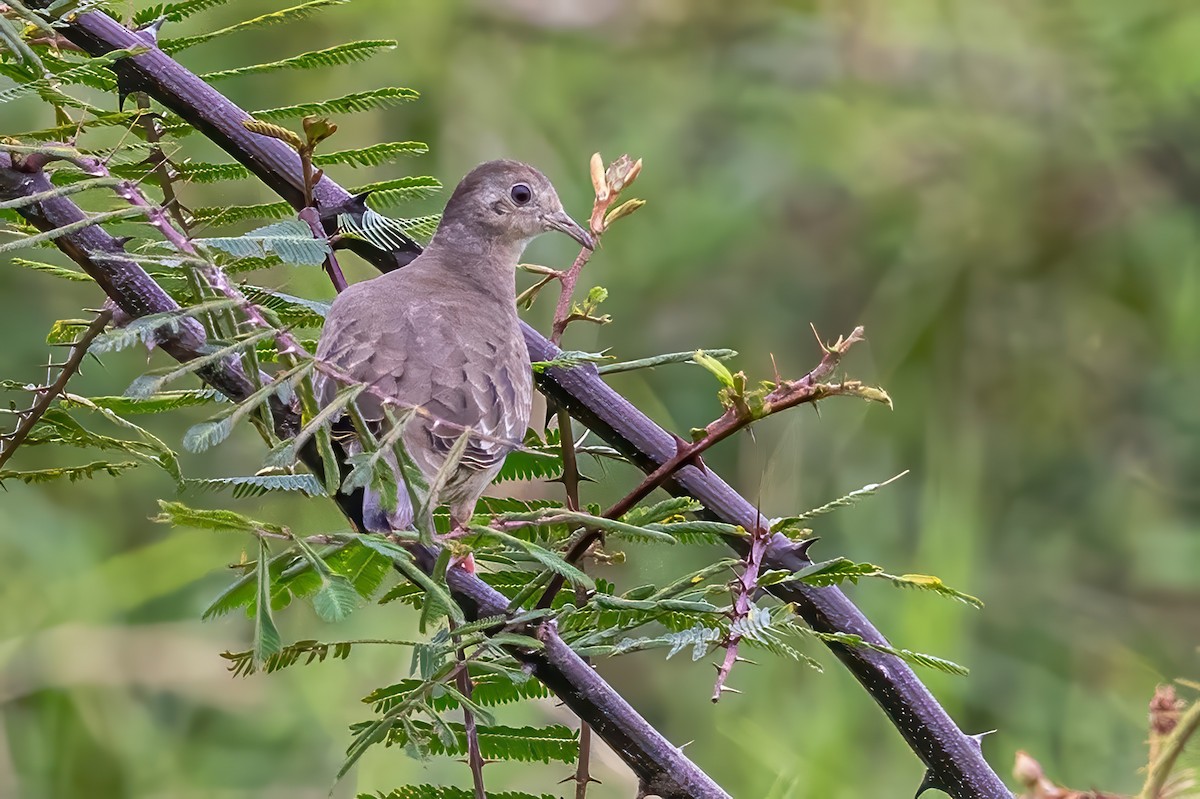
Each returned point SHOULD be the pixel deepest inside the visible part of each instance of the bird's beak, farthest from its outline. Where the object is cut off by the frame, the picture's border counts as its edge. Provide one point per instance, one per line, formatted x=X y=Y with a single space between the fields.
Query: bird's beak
x=561 y=222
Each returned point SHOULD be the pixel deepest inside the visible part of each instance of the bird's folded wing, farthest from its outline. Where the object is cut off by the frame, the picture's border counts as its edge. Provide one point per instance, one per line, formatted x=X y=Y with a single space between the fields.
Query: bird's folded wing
x=461 y=379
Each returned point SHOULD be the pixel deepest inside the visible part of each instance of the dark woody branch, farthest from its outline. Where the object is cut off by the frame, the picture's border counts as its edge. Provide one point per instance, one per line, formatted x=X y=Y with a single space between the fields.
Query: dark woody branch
x=661 y=768
x=954 y=760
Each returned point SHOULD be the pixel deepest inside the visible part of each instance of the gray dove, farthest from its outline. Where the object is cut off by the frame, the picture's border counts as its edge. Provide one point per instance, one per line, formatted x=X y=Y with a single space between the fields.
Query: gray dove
x=442 y=333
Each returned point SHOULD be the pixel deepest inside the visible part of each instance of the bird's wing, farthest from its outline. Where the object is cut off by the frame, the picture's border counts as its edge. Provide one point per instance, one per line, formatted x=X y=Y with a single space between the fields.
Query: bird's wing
x=481 y=382
x=425 y=354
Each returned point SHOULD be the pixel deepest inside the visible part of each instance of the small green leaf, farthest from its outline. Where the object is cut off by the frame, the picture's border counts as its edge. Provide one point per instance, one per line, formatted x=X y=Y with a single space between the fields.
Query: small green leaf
x=267 y=641
x=717 y=368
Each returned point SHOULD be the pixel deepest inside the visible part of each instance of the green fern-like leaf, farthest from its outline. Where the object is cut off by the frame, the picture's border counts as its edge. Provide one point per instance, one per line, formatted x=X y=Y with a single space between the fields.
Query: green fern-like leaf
x=72 y=473
x=489 y=690
x=375 y=155
x=180 y=515
x=529 y=464
x=347 y=104
x=389 y=193
x=296 y=312
x=261 y=484
x=521 y=744
x=348 y=53
x=52 y=269
x=155 y=403
x=174 y=12
x=291 y=240
x=242 y=663
x=925 y=582
x=386 y=193
x=293 y=14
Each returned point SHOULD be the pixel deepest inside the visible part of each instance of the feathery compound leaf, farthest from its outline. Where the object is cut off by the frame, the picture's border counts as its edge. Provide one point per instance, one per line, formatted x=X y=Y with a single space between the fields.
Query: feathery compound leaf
x=907 y=655
x=386 y=193
x=155 y=403
x=95 y=120
x=530 y=464
x=333 y=56
x=434 y=591
x=260 y=484
x=58 y=427
x=208 y=434
x=242 y=663
x=292 y=311
x=84 y=72
x=71 y=473
x=146 y=329
x=661 y=360
x=173 y=12
x=662 y=511
x=569 y=359
x=335 y=597
x=522 y=744
x=232 y=214
x=12 y=39
x=926 y=582
x=74 y=227
x=291 y=240
x=59 y=191
x=52 y=269
x=348 y=104
x=488 y=690
x=150 y=384
x=779 y=525
x=374 y=155
x=180 y=515
x=200 y=172
x=266 y=635
x=387 y=152
x=833 y=572
x=285 y=453
x=542 y=555
x=274 y=18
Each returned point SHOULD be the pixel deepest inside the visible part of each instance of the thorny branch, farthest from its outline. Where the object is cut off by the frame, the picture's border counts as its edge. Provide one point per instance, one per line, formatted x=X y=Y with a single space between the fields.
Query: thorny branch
x=738 y=415
x=743 y=588
x=47 y=394
x=475 y=761
x=608 y=185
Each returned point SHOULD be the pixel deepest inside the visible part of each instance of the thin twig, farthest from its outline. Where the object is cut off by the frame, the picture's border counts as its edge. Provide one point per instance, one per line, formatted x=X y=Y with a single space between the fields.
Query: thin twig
x=475 y=759
x=1172 y=747
x=46 y=396
x=312 y=218
x=737 y=417
x=570 y=480
x=743 y=586
x=568 y=279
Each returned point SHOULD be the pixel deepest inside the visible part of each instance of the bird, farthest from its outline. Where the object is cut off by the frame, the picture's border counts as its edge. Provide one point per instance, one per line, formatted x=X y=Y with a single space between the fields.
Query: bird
x=442 y=334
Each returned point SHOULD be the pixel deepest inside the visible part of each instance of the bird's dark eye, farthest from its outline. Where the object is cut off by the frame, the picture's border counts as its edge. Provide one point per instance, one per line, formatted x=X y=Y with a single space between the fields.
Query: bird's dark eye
x=521 y=193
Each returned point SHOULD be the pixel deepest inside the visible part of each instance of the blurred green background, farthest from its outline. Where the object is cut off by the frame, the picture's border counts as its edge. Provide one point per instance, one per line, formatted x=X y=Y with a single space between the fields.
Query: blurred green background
x=1005 y=195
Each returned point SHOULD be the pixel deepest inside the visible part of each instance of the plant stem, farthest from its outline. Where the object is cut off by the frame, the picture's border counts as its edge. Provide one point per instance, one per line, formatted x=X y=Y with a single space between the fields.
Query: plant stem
x=46 y=396
x=1172 y=747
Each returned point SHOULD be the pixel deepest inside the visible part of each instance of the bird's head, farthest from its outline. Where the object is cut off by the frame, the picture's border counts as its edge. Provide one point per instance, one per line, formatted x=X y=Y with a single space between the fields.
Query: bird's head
x=508 y=200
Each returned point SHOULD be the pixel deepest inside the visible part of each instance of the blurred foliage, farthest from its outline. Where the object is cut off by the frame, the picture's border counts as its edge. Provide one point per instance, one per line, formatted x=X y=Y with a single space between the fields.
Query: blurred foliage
x=1005 y=195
